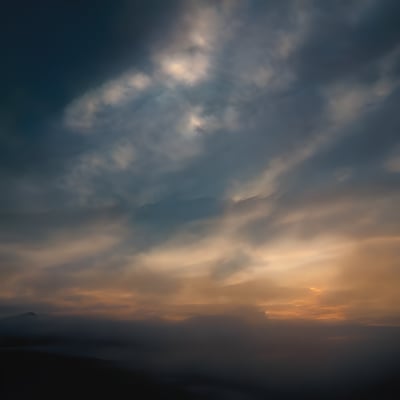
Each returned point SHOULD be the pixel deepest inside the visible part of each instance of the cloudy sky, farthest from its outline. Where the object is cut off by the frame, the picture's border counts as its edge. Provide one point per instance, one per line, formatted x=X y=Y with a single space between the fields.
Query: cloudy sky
x=182 y=158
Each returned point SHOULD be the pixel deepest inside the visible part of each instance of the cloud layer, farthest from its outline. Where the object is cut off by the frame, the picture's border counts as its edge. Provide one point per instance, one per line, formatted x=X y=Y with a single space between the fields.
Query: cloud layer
x=231 y=155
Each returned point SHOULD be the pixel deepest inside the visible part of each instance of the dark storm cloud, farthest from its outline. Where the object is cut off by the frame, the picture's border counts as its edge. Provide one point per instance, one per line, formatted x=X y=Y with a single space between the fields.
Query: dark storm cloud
x=70 y=47
x=239 y=156
x=36 y=226
x=343 y=45
x=366 y=144
x=171 y=215
x=302 y=104
x=53 y=51
x=266 y=129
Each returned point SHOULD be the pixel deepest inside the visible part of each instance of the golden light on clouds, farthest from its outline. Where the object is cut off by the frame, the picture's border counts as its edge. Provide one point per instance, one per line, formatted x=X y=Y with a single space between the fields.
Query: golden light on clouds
x=328 y=278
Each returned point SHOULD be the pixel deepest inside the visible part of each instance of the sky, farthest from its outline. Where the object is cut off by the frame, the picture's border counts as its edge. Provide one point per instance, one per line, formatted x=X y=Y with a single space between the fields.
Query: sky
x=187 y=159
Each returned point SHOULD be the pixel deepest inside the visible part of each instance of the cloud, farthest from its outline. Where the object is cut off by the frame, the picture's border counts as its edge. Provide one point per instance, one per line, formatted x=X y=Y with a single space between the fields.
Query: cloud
x=234 y=158
x=334 y=35
x=392 y=163
x=188 y=57
x=83 y=113
x=367 y=282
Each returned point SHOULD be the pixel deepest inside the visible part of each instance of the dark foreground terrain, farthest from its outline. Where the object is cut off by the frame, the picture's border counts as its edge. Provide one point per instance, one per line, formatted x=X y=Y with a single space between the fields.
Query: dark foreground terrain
x=38 y=375
x=75 y=359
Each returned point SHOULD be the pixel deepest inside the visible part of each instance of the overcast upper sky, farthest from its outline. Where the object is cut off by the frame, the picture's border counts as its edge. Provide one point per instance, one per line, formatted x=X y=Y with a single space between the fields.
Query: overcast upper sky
x=180 y=158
